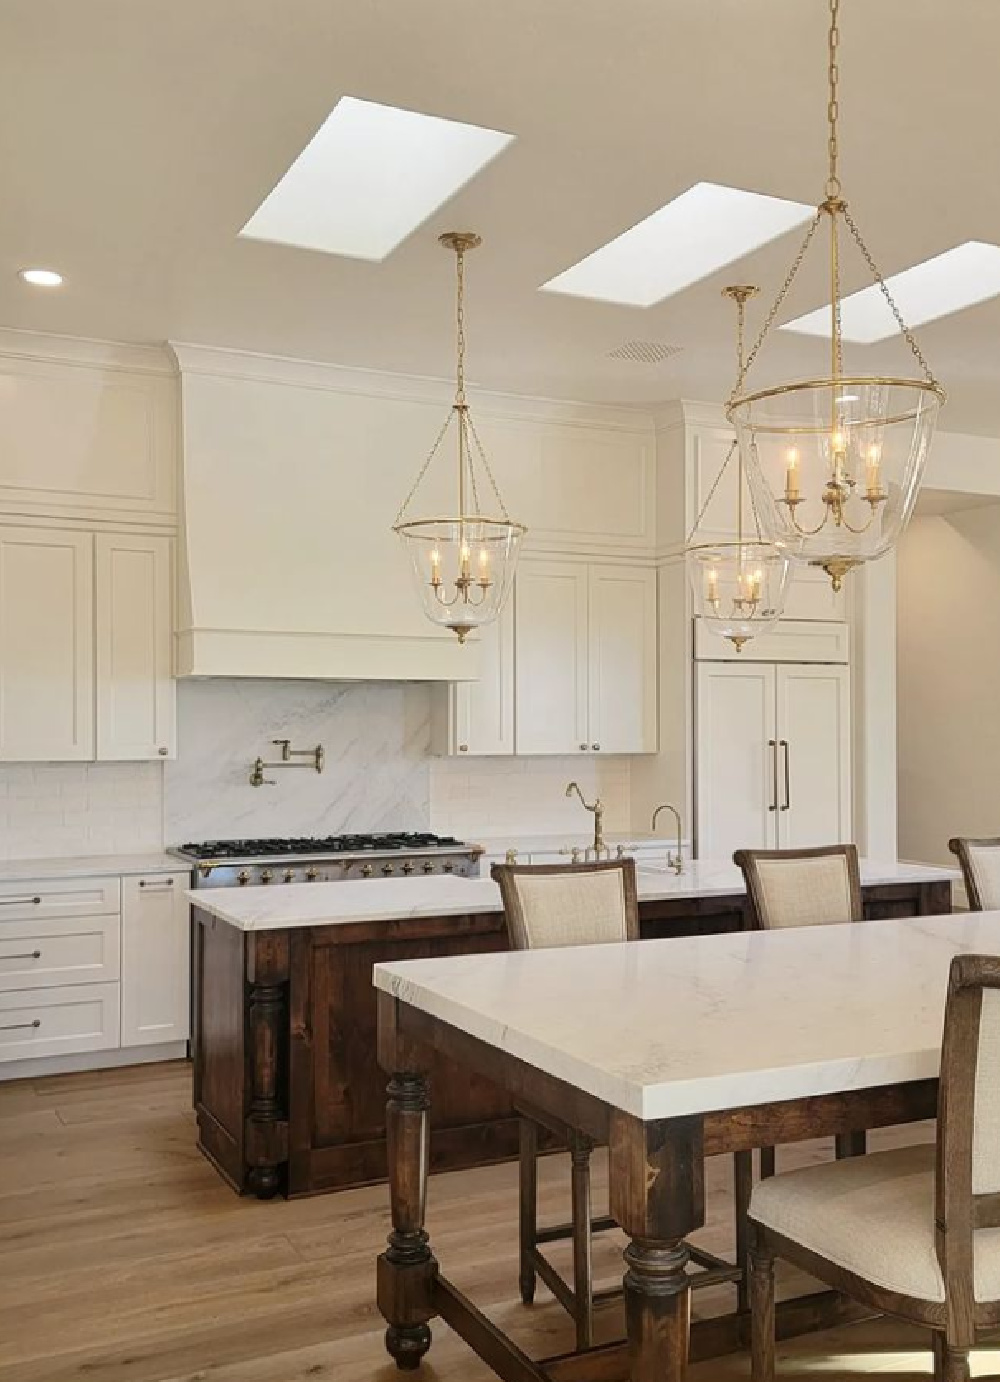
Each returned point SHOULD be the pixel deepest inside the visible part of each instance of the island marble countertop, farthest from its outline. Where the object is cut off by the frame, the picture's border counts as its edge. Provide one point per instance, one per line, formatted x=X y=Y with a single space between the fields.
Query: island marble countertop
x=275 y=908
x=90 y=866
x=818 y=1010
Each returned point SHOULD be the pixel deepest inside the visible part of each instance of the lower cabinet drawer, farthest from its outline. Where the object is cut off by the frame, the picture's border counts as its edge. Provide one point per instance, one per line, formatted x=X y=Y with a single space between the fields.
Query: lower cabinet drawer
x=63 y=950
x=59 y=1021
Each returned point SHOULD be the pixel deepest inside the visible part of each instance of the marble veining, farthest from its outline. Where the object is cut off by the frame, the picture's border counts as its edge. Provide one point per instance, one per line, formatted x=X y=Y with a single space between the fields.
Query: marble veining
x=817 y=1009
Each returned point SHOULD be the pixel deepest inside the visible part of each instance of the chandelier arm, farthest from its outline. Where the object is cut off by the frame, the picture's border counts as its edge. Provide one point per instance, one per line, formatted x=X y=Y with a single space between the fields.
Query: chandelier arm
x=908 y=335
x=486 y=466
x=864 y=528
x=776 y=305
x=809 y=532
x=711 y=492
x=424 y=468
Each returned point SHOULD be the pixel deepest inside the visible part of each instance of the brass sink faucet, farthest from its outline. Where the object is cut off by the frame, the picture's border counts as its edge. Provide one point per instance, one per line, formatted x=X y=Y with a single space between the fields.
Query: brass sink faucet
x=599 y=846
x=674 y=861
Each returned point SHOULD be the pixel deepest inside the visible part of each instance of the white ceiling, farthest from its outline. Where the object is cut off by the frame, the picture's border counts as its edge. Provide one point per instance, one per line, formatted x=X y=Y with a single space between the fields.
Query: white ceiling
x=138 y=136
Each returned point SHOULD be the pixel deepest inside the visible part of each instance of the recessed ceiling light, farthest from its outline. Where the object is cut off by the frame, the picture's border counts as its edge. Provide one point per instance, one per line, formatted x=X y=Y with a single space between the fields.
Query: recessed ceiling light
x=959 y=278
x=370 y=175
x=41 y=278
x=698 y=233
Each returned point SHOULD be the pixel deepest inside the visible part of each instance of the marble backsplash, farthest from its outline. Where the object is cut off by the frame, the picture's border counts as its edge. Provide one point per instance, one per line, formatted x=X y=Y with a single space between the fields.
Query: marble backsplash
x=376 y=737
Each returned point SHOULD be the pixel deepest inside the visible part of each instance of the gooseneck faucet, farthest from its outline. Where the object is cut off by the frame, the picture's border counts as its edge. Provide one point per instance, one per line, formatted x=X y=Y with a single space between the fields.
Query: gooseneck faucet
x=597 y=807
x=674 y=861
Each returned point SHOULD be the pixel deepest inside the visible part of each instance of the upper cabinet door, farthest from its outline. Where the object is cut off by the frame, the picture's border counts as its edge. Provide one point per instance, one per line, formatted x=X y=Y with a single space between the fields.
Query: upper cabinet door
x=482 y=712
x=622 y=659
x=737 y=792
x=46 y=645
x=814 y=746
x=550 y=622
x=135 y=690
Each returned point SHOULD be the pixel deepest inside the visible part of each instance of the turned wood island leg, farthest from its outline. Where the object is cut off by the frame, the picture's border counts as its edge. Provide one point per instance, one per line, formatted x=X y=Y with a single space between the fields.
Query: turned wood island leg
x=658 y=1198
x=266 y=1133
x=407 y=1268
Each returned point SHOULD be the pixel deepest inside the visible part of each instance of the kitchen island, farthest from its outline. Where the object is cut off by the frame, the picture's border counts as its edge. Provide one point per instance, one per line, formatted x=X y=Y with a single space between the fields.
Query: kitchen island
x=287 y=1090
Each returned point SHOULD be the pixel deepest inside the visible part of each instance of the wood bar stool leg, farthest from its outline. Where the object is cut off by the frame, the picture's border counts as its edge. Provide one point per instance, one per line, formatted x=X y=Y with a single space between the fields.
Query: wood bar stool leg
x=956 y=1365
x=743 y=1188
x=761 y=1314
x=529 y=1208
x=583 y=1264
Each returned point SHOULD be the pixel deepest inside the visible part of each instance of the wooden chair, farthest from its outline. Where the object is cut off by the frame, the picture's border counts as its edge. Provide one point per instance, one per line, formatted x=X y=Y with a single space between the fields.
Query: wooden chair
x=803 y=887
x=980 y=861
x=913 y=1233
x=586 y=904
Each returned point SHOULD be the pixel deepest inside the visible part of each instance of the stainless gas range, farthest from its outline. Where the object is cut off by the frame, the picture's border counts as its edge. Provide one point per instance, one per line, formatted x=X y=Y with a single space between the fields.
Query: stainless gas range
x=235 y=863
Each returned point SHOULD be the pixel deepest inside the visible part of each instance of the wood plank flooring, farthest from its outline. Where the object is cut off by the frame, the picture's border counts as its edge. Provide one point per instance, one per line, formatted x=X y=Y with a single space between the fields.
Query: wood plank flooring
x=123 y=1257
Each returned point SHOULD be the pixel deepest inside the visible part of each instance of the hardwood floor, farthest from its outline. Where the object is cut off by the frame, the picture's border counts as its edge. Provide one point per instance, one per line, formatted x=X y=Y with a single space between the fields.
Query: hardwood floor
x=123 y=1258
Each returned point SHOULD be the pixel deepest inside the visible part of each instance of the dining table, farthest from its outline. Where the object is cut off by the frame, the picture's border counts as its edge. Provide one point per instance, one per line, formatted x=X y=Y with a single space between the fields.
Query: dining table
x=667 y=1052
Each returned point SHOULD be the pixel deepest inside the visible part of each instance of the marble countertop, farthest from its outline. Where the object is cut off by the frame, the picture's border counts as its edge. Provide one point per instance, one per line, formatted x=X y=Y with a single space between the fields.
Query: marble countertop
x=285 y=906
x=818 y=1009
x=90 y=866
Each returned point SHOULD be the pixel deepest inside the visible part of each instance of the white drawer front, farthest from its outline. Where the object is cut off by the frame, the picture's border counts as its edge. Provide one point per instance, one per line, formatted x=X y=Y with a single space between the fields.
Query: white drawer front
x=60 y=897
x=59 y=1021
x=69 y=950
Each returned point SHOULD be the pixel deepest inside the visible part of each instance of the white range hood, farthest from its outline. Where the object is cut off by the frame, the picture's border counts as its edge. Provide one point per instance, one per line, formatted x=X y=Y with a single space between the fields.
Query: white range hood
x=288 y=565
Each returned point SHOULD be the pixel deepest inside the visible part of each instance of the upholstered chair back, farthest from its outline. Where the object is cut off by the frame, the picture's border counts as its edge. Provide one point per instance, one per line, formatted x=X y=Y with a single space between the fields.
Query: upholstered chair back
x=804 y=887
x=569 y=904
x=980 y=861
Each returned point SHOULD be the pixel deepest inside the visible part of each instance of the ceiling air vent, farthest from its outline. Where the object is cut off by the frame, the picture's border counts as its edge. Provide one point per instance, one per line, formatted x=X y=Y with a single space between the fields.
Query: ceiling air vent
x=644 y=352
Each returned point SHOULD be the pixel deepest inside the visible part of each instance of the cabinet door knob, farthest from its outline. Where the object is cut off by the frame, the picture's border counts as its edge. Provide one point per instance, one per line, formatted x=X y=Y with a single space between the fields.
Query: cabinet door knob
x=162 y=750
x=583 y=748
x=463 y=748
x=596 y=748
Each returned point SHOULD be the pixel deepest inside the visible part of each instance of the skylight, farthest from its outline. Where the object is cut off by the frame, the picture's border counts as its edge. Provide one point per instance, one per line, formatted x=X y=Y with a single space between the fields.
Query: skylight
x=370 y=175
x=959 y=278
x=698 y=233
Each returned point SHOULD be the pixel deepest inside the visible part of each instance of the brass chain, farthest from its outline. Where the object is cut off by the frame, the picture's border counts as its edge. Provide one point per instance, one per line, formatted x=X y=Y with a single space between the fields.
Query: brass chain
x=833 y=188
x=424 y=468
x=486 y=466
x=884 y=289
x=711 y=493
x=460 y=327
x=776 y=305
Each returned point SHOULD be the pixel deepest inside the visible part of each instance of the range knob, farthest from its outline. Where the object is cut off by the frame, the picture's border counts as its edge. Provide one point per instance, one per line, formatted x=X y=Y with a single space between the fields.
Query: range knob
x=449 y=867
x=367 y=871
x=243 y=877
x=428 y=866
x=312 y=873
x=387 y=869
x=266 y=875
x=289 y=875
x=407 y=868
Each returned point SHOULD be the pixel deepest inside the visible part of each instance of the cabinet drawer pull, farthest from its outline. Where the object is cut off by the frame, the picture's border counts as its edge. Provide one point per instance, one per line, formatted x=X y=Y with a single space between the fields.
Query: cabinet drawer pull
x=19 y=1026
x=788 y=790
x=772 y=744
x=19 y=901
x=163 y=883
x=23 y=955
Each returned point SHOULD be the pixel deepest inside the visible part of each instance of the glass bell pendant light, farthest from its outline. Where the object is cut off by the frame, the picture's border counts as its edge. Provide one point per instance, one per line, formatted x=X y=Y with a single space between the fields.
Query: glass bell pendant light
x=737 y=588
x=835 y=463
x=463 y=564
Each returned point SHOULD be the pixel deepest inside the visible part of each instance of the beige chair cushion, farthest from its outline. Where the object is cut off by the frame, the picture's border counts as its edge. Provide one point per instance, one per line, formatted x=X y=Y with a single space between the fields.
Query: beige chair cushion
x=984 y=861
x=986 y=1124
x=576 y=908
x=805 y=892
x=873 y=1216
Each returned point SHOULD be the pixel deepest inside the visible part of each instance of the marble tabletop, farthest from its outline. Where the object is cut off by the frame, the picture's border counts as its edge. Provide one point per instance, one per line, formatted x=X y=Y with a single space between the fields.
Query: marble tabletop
x=284 y=906
x=650 y=1026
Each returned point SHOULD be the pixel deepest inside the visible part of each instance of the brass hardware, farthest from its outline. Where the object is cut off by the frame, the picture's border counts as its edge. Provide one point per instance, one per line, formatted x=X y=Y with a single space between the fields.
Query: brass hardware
x=772 y=744
x=788 y=790
x=23 y=955
x=448 y=866
x=367 y=870
x=316 y=759
x=243 y=878
x=19 y=1026
x=407 y=868
x=599 y=847
x=674 y=861
x=257 y=778
x=573 y=852
x=312 y=873
x=387 y=869
x=511 y=856
x=19 y=901
x=464 y=600
x=288 y=875
x=463 y=748
x=428 y=867
x=266 y=876
x=157 y=885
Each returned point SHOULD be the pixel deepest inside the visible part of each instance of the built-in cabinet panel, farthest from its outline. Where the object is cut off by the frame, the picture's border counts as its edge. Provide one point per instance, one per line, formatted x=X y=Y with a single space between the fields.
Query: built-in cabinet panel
x=155 y=960
x=622 y=659
x=46 y=645
x=135 y=693
x=552 y=669
x=479 y=717
x=772 y=756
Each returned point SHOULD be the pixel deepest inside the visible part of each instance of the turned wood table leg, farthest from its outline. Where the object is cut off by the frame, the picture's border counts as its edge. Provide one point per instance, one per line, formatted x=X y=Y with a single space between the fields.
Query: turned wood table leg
x=266 y=1128
x=406 y=1270
x=658 y=1197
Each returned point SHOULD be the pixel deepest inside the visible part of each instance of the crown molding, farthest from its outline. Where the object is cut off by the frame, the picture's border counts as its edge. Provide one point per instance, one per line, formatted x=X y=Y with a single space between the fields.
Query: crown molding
x=85 y=351
x=684 y=412
x=219 y=363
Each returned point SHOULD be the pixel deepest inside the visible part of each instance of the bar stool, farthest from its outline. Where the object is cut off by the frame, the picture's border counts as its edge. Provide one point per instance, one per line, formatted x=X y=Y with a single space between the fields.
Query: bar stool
x=980 y=861
x=585 y=904
x=803 y=887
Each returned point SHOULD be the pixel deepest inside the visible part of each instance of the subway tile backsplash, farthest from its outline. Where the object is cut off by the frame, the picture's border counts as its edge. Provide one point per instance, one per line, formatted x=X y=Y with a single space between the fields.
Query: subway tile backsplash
x=53 y=809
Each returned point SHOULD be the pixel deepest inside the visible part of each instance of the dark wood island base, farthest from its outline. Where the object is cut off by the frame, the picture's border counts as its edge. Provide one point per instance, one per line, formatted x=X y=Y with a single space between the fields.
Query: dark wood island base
x=287 y=1091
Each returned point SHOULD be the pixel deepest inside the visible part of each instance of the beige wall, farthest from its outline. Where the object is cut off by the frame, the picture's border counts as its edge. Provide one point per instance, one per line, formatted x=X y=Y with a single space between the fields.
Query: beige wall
x=948 y=630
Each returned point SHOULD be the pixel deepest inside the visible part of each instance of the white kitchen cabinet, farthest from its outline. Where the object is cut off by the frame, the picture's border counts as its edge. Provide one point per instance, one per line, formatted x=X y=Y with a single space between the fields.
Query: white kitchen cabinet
x=155 y=961
x=585 y=644
x=479 y=715
x=772 y=756
x=134 y=634
x=46 y=645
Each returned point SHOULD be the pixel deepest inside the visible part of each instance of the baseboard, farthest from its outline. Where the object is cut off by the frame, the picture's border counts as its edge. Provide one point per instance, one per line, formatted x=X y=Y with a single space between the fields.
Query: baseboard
x=93 y=1060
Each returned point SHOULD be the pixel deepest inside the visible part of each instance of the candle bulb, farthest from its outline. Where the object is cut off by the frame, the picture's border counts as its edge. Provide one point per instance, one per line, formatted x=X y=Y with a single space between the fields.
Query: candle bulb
x=484 y=566
x=466 y=557
x=792 y=492
x=435 y=567
x=873 y=472
x=713 y=587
